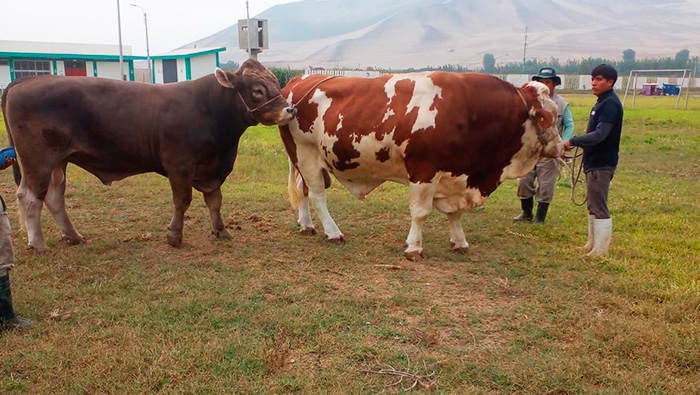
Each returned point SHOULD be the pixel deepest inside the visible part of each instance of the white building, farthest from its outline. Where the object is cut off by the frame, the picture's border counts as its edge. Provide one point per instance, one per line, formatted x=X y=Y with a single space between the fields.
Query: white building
x=185 y=64
x=24 y=58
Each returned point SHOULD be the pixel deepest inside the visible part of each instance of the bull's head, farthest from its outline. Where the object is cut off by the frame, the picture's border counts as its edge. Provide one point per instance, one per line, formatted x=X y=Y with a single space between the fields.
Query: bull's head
x=259 y=91
x=542 y=112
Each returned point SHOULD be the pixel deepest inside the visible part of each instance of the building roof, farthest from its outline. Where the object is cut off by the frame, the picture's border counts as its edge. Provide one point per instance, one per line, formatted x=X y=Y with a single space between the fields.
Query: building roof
x=188 y=53
x=32 y=49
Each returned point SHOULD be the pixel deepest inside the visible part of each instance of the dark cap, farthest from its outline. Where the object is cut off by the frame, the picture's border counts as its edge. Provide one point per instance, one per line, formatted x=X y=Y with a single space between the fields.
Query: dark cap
x=547 y=73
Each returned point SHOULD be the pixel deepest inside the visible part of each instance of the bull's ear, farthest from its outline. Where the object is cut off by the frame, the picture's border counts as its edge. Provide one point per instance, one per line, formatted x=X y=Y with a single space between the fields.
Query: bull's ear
x=543 y=118
x=224 y=78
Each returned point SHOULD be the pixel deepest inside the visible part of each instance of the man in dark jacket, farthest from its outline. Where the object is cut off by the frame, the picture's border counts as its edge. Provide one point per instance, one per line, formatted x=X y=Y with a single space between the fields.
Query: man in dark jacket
x=601 y=145
x=8 y=319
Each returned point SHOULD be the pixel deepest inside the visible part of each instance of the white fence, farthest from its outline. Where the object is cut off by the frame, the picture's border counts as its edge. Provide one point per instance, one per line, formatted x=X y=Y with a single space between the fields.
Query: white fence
x=568 y=82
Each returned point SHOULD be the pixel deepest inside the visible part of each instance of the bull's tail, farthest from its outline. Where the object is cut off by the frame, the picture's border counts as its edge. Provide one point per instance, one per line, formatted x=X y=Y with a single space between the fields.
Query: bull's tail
x=292 y=186
x=16 y=172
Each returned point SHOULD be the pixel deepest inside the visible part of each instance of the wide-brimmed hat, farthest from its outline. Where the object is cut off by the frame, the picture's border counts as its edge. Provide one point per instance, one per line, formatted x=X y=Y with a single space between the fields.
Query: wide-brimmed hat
x=547 y=73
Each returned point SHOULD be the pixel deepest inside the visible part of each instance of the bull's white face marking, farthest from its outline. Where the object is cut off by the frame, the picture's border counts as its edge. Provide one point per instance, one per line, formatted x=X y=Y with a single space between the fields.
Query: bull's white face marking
x=424 y=95
x=524 y=160
x=305 y=76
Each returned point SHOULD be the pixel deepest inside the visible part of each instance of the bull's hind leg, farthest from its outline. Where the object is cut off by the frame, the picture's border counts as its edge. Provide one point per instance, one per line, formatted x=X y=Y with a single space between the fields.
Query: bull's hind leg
x=32 y=189
x=451 y=208
x=457 y=239
x=305 y=222
x=55 y=202
x=316 y=183
x=181 y=185
x=213 y=200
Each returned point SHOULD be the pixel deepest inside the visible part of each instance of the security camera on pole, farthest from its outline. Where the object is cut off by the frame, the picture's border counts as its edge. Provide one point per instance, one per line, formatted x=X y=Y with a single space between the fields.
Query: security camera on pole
x=257 y=41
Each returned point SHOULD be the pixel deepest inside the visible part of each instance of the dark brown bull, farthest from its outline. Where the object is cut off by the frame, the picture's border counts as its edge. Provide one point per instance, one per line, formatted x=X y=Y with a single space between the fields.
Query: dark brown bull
x=187 y=131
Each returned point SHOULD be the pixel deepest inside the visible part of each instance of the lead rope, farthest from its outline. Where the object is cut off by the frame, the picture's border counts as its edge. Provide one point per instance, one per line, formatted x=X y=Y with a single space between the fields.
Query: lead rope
x=258 y=107
x=314 y=87
x=575 y=176
x=540 y=133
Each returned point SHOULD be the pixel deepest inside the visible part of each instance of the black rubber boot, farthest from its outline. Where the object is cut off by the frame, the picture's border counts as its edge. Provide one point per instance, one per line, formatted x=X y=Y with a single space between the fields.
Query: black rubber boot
x=8 y=319
x=541 y=213
x=526 y=215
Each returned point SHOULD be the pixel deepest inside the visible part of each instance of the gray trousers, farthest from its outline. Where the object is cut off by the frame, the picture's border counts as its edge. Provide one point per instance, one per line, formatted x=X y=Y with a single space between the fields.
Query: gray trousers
x=597 y=186
x=7 y=255
x=546 y=172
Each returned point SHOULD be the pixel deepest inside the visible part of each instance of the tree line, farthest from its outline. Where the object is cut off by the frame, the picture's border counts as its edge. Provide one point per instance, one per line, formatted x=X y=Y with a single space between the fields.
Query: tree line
x=682 y=60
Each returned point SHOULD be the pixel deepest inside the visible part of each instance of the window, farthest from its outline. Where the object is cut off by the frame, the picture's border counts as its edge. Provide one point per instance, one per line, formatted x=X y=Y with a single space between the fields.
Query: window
x=28 y=68
x=4 y=62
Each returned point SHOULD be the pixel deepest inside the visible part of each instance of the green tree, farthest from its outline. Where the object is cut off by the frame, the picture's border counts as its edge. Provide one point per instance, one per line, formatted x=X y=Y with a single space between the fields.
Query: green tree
x=682 y=57
x=489 y=62
x=628 y=55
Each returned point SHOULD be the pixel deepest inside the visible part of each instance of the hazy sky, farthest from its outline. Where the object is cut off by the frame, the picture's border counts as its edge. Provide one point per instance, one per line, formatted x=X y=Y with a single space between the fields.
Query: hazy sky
x=171 y=23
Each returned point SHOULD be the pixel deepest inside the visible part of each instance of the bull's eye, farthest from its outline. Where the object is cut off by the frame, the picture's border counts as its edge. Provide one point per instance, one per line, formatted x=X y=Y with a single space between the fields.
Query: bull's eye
x=258 y=92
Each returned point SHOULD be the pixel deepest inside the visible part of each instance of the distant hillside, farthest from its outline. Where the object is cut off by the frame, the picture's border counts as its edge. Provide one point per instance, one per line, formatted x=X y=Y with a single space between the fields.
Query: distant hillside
x=419 y=33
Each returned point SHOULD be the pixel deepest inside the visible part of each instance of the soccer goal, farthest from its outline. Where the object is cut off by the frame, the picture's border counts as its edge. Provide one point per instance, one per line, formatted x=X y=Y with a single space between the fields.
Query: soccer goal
x=637 y=76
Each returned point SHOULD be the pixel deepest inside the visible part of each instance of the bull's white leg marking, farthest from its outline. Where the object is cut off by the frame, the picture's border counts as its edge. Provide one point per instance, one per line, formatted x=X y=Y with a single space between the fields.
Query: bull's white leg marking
x=310 y=165
x=457 y=239
x=31 y=208
x=307 y=226
x=55 y=202
x=421 y=203
x=424 y=95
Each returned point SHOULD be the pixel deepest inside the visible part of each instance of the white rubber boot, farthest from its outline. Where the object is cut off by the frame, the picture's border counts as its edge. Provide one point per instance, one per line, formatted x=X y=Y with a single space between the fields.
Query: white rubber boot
x=602 y=228
x=591 y=233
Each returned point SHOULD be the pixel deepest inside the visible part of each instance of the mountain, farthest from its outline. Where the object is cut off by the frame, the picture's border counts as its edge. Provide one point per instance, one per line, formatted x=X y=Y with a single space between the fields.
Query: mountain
x=417 y=33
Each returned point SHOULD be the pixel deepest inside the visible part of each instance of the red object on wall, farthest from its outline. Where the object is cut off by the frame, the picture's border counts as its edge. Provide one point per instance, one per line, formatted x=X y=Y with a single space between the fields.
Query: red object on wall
x=75 y=68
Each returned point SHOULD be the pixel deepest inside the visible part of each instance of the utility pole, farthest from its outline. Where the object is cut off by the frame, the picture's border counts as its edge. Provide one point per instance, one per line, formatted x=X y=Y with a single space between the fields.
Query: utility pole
x=525 y=50
x=148 y=51
x=121 y=53
x=247 y=15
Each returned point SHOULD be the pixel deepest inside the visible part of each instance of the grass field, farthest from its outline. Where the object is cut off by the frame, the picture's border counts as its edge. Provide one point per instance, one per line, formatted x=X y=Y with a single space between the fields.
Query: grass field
x=274 y=312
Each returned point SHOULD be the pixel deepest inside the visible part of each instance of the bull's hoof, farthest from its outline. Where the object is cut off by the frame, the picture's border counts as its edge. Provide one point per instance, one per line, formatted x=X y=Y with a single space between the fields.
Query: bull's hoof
x=221 y=234
x=461 y=250
x=73 y=240
x=338 y=240
x=308 y=232
x=175 y=240
x=414 y=256
x=39 y=249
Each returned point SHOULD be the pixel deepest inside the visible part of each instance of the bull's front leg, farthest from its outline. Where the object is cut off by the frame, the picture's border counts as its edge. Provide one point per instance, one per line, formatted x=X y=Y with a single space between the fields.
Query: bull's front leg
x=213 y=200
x=181 y=185
x=421 y=203
x=30 y=210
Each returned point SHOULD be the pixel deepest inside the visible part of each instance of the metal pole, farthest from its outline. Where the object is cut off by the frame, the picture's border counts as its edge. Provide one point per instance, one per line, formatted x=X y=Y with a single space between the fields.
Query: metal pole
x=148 y=51
x=525 y=50
x=687 y=92
x=634 y=90
x=680 y=92
x=247 y=15
x=629 y=79
x=121 y=53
